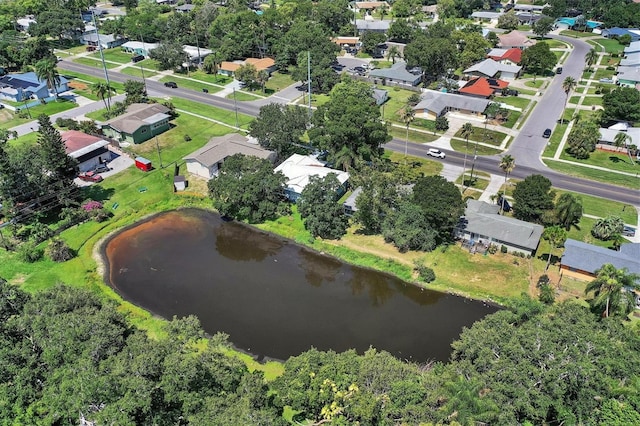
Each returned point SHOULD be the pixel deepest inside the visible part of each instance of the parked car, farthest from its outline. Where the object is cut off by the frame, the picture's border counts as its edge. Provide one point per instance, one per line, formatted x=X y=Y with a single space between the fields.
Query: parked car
x=90 y=177
x=90 y=48
x=559 y=70
x=628 y=231
x=171 y=84
x=137 y=58
x=436 y=153
x=102 y=168
x=546 y=134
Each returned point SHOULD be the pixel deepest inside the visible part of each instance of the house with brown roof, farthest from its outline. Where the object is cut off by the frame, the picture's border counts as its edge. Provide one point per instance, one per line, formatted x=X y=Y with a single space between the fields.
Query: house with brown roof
x=206 y=161
x=90 y=151
x=141 y=122
x=515 y=39
x=482 y=87
x=511 y=56
x=370 y=6
x=261 y=64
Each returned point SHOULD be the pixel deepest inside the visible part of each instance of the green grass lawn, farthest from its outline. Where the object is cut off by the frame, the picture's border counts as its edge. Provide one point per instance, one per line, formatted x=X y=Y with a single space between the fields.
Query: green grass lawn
x=536 y=84
x=219 y=114
x=579 y=34
x=592 y=100
x=610 y=45
x=414 y=136
x=190 y=84
x=556 y=44
x=604 y=73
x=592 y=89
x=558 y=54
x=488 y=136
x=115 y=55
x=526 y=91
x=511 y=119
x=316 y=100
x=242 y=95
x=423 y=165
x=89 y=80
x=594 y=174
x=381 y=64
x=600 y=207
x=94 y=63
x=574 y=100
x=136 y=72
x=279 y=81
x=9 y=119
x=607 y=159
x=150 y=64
x=218 y=79
x=515 y=101
x=480 y=179
x=554 y=140
x=459 y=145
x=397 y=101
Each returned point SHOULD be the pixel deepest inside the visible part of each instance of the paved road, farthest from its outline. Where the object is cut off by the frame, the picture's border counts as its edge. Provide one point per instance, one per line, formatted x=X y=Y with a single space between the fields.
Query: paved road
x=525 y=165
x=491 y=165
x=528 y=146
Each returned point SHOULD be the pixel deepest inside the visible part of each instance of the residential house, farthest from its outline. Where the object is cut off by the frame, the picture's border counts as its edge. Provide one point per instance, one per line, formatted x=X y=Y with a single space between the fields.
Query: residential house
x=491 y=68
x=434 y=104
x=608 y=136
x=299 y=168
x=616 y=32
x=515 y=39
x=430 y=11
x=376 y=26
x=196 y=54
x=581 y=260
x=206 y=161
x=23 y=24
x=528 y=18
x=107 y=41
x=631 y=60
x=184 y=8
x=90 y=151
x=350 y=203
x=370 y=6
x=21 y=87
x=482 y=226
x=531 y=8
x=383 y=49
x=141 y=122
x=485 y=15
x=261 y=64
x=482 y=87
x=137 y=48
x=511 y=56
x=568 y=22
x=380 y=95
x=344 y=41
x=397 y=74
x=628 y=76
x=633 y=47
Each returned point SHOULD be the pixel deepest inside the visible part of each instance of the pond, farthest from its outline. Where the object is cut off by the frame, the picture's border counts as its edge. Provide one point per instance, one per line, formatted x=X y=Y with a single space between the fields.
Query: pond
x=276 y=298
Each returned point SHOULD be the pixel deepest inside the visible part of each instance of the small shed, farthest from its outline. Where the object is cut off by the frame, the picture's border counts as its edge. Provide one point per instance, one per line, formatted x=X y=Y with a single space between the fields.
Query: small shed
x=143 y=164
x=179 y=183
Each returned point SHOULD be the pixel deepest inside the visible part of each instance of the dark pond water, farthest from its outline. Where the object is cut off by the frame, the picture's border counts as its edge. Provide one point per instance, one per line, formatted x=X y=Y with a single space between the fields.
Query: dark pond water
x=275 y=298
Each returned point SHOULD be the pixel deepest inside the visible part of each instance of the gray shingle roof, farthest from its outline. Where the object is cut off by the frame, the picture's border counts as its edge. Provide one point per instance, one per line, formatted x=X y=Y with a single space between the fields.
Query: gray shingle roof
x=398 y=72
x=377 y=25
x=587 y=257
x=436 y=102
x=490 y=68
x=482 y=218
x=138 y=115
x=629 y=73
x=219 y=148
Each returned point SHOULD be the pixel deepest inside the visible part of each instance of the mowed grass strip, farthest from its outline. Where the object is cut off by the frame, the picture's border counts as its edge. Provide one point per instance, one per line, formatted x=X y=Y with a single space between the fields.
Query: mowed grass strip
x=605 y=176
x=94 y=63
x=219 y=114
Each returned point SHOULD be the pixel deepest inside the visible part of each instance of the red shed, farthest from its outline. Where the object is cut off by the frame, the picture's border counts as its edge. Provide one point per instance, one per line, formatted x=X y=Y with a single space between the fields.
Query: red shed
x=143 y=164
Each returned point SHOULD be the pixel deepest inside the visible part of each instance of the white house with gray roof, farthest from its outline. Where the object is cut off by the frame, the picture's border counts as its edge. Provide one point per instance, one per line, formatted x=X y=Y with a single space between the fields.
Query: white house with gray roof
x=491 y=68
x=481 y=224
x=397 y=74
x=299 y=169
x=375 y=26
x=631 y=60
x=608 y=136
x=581 y=260
x=633 y=47
x=433 y=104
x=628 y=76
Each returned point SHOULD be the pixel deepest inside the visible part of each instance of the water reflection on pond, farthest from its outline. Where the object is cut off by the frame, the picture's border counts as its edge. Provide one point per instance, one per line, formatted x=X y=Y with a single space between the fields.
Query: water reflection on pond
x=275 y=298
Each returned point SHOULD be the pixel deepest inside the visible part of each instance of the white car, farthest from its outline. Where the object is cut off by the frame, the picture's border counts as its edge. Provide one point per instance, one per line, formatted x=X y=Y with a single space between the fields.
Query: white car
x=436 y=153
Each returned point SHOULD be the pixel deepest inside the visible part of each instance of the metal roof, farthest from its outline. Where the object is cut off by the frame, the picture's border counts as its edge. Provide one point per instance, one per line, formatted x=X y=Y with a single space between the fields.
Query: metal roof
x=587 y=257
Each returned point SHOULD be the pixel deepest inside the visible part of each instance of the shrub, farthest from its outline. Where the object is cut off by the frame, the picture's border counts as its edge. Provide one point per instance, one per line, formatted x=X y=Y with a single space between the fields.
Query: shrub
x=493 y=249
x=610 y=68
x=425 y=273
x=543 y=280
x=187 y=138
x=59 y=251
x=29 y=252
x=92 y=205
x=546 y=295
x=102 y=215
x=503 y=249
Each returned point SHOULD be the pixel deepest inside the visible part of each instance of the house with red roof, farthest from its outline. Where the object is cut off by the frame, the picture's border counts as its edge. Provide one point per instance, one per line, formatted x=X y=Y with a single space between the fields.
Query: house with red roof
x=90 y=151
x=482 y=87
x=511 y=56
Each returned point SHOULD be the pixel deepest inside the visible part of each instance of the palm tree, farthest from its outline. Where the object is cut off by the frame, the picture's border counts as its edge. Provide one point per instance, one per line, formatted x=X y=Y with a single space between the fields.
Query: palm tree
x=383 y=11
x=393 y=53
x=46 y=69
x=103 y=90
x=507 y=164
x=613 y=290
x=556 y=236
x=606 y=227
x=623 y=139
x=591 y=57
x=465 y=132
x=568 y=85
x=262 y=78
x=568 y=210
x=407 y=115
x=346 y=157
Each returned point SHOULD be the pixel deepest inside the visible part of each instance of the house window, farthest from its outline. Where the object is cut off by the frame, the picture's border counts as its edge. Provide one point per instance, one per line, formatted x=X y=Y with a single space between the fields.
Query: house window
x=144 y=130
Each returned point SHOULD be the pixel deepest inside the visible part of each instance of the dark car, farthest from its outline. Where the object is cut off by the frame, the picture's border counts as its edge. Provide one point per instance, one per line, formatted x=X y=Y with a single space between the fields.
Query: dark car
x=359 y=69
x=547 y=134
x=90 y=177
x=102 y=168
x=559 y=70
x=137 y=58
x=171 y=84
x=628 y=231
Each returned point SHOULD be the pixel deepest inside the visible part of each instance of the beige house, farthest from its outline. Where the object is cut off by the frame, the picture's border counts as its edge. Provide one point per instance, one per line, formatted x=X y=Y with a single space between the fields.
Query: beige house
x=206 y=161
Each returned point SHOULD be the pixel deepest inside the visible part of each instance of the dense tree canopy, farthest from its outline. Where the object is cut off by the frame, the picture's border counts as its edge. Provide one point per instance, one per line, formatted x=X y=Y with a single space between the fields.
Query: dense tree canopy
x=582 y=139
x=533 y=197
x=436 y=56
x=349 y=124
x=246 y=188
x=538 y=58
x=279 y=127
x=621 y=104
x=318 y=205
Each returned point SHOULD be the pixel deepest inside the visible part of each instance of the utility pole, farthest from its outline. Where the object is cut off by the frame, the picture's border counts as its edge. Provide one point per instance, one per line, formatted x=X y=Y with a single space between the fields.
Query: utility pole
x=235 y=106
x=104 y=66
x=309 y=79
x=159 y=156
x=141 y=71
